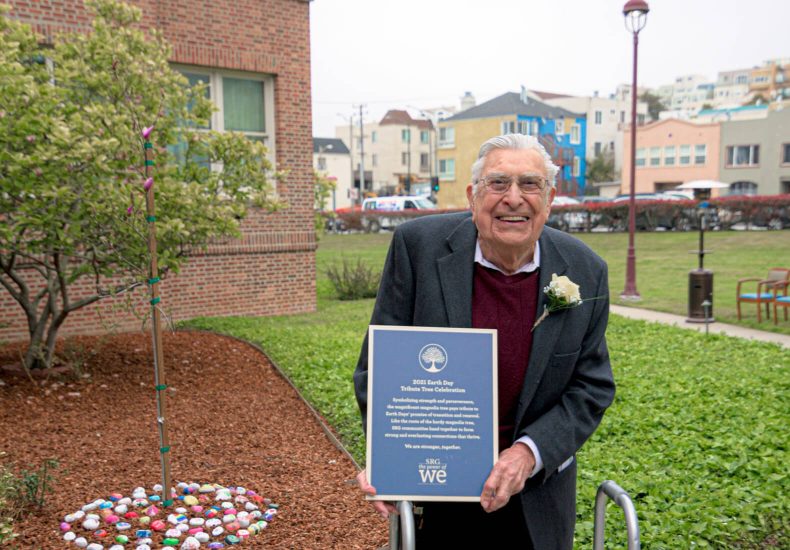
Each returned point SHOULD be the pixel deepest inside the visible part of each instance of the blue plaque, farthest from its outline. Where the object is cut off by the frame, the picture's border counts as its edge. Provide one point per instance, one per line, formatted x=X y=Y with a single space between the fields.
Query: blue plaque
x=432 y=412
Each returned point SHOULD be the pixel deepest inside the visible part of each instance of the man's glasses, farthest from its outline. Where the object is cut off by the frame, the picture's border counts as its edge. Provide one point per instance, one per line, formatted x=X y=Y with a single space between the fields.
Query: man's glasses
x=528 y=184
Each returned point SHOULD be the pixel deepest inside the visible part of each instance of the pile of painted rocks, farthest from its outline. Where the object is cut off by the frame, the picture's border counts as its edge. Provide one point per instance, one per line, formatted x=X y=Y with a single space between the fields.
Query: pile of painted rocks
x=201 y=516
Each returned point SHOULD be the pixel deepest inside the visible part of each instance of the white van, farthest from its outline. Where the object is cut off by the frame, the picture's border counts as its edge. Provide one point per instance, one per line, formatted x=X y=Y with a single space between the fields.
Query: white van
x=385 y=205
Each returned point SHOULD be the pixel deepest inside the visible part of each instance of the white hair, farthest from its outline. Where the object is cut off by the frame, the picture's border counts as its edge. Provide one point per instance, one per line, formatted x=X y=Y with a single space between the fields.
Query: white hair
x=513 y=141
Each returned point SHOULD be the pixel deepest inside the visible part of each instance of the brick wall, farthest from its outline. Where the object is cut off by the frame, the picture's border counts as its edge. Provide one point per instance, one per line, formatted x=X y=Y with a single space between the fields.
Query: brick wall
x=271 y=269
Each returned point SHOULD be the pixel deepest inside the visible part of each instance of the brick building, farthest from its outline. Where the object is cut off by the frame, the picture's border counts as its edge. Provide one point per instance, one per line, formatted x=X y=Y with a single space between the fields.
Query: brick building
x=257 y=48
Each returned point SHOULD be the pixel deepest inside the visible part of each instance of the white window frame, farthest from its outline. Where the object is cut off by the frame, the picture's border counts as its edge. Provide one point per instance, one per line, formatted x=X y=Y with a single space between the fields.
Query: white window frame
x=669 y=156
x=576 y=166
x=449 y=137
x=687 y=155
x=444 y=174
x=750 y=163
x=559 y=127
x=215 y=77
x=640 y=157
x=576 y=133
x=598 y=118
x=655 y=156
x=784 y=154
x=697 y=154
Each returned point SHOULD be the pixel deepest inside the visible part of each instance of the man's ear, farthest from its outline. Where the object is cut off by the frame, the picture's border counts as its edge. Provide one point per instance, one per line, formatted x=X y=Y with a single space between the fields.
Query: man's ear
x=550 y=197
x=470 y=196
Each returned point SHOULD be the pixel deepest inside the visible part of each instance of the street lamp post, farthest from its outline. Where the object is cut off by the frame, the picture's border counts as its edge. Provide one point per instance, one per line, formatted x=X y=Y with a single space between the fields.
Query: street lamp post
x=635 y=12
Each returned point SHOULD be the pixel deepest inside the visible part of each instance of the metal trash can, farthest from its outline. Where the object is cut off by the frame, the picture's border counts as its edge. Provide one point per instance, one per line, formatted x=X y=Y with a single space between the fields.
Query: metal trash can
x=700 y=290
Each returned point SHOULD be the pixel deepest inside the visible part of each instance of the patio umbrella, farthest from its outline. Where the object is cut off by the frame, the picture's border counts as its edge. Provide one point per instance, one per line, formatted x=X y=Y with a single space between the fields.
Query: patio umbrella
x=703 y=184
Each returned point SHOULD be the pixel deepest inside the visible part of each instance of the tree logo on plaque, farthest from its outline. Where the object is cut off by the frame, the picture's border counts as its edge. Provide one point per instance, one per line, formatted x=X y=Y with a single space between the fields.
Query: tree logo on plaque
x=433 y=358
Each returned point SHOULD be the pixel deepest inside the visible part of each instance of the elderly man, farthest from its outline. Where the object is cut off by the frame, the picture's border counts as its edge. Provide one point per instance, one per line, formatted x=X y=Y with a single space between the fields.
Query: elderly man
x=488 y=270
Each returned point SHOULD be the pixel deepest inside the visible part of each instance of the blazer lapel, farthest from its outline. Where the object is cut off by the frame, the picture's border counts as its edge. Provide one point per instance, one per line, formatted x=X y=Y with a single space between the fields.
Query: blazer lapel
x=456 y=273
x=548 y=331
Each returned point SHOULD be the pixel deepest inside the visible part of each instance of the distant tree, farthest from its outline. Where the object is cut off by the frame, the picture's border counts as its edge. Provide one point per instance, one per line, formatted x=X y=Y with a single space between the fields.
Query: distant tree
x=322 y=188
x=601 y=168
x=654 y=104
x=707 y=106
x=72 y=171
x=757 y=99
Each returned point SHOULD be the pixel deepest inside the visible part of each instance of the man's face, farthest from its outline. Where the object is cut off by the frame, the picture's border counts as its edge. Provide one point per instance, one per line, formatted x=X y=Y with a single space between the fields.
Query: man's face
x=511 y=222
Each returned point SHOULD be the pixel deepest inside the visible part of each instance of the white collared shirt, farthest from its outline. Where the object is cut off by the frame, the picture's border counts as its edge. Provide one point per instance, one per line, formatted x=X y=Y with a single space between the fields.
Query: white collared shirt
x=528 y=267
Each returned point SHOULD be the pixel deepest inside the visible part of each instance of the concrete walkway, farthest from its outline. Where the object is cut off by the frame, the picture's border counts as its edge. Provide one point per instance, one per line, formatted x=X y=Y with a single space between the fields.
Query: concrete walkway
x=716 y=327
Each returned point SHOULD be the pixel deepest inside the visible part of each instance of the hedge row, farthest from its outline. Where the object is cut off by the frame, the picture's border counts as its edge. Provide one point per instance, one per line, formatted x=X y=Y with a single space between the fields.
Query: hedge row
x=736 y=212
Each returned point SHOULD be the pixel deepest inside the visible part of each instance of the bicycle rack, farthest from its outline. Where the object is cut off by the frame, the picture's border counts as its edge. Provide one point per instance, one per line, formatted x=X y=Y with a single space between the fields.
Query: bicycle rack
x=620 y=497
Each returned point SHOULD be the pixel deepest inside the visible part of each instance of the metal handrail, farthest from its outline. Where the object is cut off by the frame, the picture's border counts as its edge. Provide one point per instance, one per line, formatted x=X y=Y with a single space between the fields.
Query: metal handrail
x=620 y=497
x=402 y=522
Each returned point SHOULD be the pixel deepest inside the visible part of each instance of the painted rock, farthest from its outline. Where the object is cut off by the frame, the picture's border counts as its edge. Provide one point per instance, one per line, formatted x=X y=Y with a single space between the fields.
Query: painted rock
x=254 y=529
x=71 y=518
x=232 y=539
x=70 y=536
x=211 y=513
x=206 y=488
x=232 y=526
x=180 y=510
x=94 y=546
x=203 y=499
x=191 y=543
x=197 y=509
x=202 y=537
x=269 y=515
x=123 y=525
x=100 y=534
x=194 y=531
x=115 y=497
x=142 y=533
x=65 y=526
x=181 y=486
x=262 y=524
x=158 y=525
x=256 y=514
x=214 y=545
x=189 y=500
x=157 y=488
x=182 y=527
x=240 y=499
x=90 y=524
x=181 y=518
x=172 y=533
x=116 y=547
x=227 y=505
x=140 y=502
x=222 y=494
x=121 y=539
x=112 y=519
x=228 y=518
x=81 y=542
x=242 y=534
x=130 y=515
x=243 y=523
x=143 y=547
x=151 y=511
x=250 y=507
x=144 y=542
x=170 y=542
x=231 y=511
x=121 y=509
x=105 y=505
x=217 y=531
x=193 y=521
x=154 y=498
x=90 y=506
x=144 y=520
x=213 y=522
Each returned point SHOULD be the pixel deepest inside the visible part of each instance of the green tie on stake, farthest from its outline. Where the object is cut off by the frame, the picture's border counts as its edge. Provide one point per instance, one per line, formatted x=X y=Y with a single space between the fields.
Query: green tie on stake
x=156 y=324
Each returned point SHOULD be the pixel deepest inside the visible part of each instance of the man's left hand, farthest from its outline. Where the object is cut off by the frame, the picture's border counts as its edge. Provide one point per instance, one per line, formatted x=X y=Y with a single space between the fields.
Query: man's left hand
x=508 y=477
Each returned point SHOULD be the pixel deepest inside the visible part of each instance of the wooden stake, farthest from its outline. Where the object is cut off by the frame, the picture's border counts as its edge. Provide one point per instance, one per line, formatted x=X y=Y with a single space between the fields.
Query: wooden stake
x=156 y=329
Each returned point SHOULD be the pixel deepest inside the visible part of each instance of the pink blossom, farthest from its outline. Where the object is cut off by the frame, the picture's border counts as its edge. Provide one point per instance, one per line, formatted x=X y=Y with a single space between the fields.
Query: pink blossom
x=147 y=132
x=148 y=184
x=130 y=210
x=38 y=171
x=31 y=138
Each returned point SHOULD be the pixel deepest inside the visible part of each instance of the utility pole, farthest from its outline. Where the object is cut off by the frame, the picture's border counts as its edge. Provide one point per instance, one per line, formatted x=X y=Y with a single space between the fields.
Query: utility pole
x=361 y=152
x=408 y=159
x=350 y=146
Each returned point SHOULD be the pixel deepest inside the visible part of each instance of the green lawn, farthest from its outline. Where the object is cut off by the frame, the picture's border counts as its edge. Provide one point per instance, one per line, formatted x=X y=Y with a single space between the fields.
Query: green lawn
x=697 y=433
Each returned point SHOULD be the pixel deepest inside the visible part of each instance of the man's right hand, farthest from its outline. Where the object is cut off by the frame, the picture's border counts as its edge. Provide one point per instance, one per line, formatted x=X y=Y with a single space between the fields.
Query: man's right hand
x=383 y=508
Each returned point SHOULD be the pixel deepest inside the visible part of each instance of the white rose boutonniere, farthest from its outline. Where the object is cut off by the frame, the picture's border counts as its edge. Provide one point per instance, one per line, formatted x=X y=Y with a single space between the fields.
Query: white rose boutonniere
x=562 y=294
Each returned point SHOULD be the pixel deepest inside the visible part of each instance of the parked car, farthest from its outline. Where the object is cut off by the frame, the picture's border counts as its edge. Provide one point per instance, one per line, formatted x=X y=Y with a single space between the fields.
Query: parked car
x=566 y=221
x=381 y=212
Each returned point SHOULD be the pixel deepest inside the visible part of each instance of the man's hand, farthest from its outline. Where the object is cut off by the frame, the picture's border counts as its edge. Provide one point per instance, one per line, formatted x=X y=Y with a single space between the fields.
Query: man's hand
x=383 y=508
x=508 y=477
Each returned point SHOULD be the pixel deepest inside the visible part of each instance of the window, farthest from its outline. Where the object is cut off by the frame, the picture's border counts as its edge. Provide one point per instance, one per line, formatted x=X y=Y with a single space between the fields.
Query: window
x=622 y=117
x=640 y=156
x=523 y=127
x=655 y=156
x=743 y=155
x=509 y=127
x=447 y=137
x=743 y=188
x=533 y=128
x=374 y=159
x=447 y=169
x=640 y=119
x=425 y=162
x=559 y=127
x=576 y=132
x=700 y=152
x=598 y=117
x=685 y=154
x=405 y=135
x=244 y=101
x=425 y=136
x=597 y=148
x=786 y=153
x=374 y=137
x=404 y=159
x=322 y=163
x=576 y=167
x=669 y=155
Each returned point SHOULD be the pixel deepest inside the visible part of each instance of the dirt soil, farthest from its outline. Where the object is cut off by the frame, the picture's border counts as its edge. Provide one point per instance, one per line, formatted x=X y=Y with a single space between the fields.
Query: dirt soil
x=233 y=420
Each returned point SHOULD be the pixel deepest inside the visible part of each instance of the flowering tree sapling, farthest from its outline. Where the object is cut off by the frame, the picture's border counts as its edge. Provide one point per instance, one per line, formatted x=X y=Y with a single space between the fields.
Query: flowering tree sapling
x=72 y=168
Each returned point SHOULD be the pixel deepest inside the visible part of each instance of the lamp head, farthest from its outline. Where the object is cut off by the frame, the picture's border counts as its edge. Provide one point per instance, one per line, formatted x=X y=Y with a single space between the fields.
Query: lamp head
x=635 y=12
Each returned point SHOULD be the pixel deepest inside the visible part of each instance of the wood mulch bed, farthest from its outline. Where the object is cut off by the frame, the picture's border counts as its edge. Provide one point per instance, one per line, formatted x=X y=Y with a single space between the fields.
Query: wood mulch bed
x=233 y=420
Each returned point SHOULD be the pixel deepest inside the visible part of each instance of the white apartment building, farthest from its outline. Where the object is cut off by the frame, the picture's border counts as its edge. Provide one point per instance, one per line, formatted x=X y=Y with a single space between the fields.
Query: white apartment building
x=732 y=88
x=398 y=153
x=332 y=159
x=606 y=117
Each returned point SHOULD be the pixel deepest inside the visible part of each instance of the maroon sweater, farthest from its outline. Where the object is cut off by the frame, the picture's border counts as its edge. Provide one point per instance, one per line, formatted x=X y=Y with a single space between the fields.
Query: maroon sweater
x=507 y=303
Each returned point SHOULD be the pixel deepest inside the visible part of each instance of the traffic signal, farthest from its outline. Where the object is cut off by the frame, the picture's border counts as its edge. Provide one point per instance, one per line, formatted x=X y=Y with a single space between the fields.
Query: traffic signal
x=435 y=184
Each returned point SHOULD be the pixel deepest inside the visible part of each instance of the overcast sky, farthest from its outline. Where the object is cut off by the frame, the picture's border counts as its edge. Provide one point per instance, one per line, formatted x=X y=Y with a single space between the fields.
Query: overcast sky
x=427 y=53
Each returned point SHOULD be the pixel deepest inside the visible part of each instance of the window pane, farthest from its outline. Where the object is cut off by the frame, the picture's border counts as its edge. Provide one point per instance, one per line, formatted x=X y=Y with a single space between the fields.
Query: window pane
x=194 y=80
x=756 y=154
x=786 y=153
x=243 y=105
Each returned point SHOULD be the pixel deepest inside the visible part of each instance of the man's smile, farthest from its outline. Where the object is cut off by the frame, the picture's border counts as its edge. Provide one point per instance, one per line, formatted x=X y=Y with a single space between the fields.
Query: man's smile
x=513 y=219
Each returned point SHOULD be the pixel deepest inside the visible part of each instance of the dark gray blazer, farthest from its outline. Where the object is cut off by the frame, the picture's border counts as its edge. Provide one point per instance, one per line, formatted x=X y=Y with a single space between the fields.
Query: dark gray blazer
x=427 y=281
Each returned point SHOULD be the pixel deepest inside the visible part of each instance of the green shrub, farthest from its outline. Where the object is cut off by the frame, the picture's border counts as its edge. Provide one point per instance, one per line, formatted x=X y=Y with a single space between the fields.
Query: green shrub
x=8 y=491
x=20 y=492
x=354 y=282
